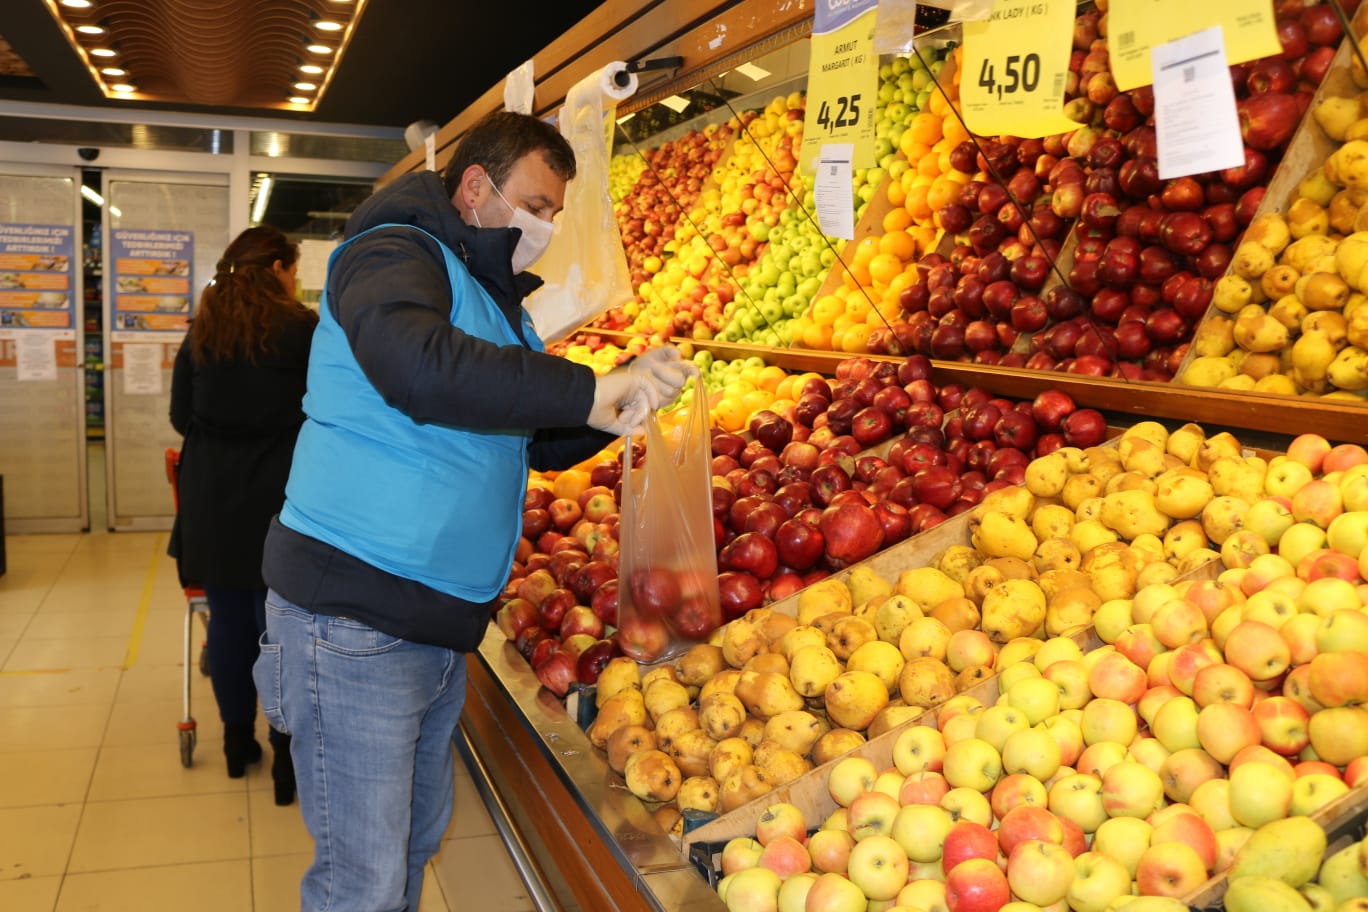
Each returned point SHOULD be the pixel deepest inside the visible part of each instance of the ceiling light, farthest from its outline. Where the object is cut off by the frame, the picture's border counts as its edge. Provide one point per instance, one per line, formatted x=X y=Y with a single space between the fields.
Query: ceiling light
x=89 y=193
x=90 y=29
x=327 y=25
x=77 y=4
x=263 y=198
x=305 y=86
x=101 y=52
x=114 y=71
x=300 y=100
x=123 y=87
x=319 y=49
x=311 y=68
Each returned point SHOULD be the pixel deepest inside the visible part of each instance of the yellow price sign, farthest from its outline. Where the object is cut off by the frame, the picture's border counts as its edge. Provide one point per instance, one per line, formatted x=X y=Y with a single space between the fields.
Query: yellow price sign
x=843 y=81
x=1016 y=63
x=1134 y=27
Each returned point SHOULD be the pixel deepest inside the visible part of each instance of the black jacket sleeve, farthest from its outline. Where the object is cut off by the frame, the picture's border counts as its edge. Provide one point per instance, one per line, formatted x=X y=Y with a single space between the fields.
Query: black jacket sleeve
x=182 y=389
x=389 y=292
x=560 y=448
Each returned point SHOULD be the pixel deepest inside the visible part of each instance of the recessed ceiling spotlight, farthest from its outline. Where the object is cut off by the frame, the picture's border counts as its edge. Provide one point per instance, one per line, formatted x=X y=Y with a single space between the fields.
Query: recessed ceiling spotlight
x=90 y=29
x=300 y=100
x=305 y=86
x=114 y=71
x=319 y=49
x=310 y=68
x=77 y=4
x=101 y=52
x=327 y=25
x=123 y=87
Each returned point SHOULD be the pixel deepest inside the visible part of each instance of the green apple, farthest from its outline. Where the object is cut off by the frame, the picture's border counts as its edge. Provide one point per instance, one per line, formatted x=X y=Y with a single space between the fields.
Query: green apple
x=1098 y=880
x=878 y=866
x=1257 y=795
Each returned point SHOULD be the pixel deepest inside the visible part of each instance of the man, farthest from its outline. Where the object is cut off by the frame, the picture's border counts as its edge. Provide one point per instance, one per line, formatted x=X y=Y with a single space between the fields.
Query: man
x=428 y=399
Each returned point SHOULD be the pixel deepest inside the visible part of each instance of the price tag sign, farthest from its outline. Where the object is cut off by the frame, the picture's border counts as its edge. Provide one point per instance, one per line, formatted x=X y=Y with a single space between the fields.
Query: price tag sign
x=1194 y=106
x=831 y=195
x=1135 y=27
x=843 y=81
x=1015 y=65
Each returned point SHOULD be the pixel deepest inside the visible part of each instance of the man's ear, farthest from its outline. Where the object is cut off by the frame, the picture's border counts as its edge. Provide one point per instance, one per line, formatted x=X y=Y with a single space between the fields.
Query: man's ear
x=471 y=190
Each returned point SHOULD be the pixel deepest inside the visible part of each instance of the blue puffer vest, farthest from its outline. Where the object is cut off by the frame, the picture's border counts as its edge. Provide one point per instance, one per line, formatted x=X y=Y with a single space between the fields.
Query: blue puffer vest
x=435 y=503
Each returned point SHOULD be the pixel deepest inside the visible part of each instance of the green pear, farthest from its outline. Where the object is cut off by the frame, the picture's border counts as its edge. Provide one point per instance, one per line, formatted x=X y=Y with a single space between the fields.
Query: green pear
x=1340 y=874
x=1289 y=849
x=1256 y=893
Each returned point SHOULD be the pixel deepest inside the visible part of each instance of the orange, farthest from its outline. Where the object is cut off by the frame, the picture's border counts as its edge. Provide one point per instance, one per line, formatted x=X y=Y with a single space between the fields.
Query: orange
x=826 y=309
x=926 y=237
x=571 y=483
x=866 y=249
x=885 y=266
x=925 y=127
x=917 y=205
x=904 y=279
x=900 y=244
x=756 y=399
x=845 y=321
x=929 y=165
x=856 y=339
x=729 y=415
x=895 y=193
x=944 y=191
x=857 y=275
x=897 y=219
x=836 y=341
x=857 y=308
x=817 y=337
x=954 y=130
x=771 y=375
x=910 y=148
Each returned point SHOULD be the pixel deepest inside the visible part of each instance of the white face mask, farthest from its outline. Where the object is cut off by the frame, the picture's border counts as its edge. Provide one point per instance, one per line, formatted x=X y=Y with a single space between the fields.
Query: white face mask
x=536 y=234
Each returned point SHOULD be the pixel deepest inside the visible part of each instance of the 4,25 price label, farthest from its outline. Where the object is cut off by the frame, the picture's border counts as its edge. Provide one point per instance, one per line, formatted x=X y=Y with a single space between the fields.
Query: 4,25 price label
x=1016 y=63
x=839 y=113
x=843 y=80
x=1018 y=73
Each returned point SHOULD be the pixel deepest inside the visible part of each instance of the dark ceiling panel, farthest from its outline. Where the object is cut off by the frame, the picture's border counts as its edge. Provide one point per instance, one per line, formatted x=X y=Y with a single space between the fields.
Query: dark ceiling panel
x=411 y=60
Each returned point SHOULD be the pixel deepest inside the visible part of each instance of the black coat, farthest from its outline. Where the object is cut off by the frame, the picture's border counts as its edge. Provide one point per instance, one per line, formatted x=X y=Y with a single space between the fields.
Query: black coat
x=240 y=421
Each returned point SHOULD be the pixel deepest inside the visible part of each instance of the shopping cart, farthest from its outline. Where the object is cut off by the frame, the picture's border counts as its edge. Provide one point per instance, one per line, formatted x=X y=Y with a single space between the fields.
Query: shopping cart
x=196 y=604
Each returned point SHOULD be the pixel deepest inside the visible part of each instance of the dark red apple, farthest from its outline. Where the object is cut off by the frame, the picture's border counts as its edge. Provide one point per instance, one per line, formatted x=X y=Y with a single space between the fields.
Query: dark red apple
x=594 y=659
x=1084 y=428
x=654 y=591
x=1267 y=121
x=739 y=593
x=798 y=544
x=852 y=532
x=752 y=553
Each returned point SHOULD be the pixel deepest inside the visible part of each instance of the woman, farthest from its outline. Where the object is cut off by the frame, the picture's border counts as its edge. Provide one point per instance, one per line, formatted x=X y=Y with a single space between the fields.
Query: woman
x=235 y=397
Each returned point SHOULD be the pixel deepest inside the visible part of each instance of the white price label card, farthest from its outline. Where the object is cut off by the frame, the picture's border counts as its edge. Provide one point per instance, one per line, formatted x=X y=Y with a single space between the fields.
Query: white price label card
x=142 y=369
x=832 y=195
x=36 y=356
x=1197 y=127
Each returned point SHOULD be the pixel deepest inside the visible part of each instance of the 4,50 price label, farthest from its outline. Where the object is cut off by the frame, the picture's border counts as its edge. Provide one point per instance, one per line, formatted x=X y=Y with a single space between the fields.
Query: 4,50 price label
x=1018 y=74
x=840 y=113
x=1007 y=88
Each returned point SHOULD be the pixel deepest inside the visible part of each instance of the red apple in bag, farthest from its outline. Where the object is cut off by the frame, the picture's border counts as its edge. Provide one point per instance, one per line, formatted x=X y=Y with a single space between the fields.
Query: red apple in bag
x=1269 y=120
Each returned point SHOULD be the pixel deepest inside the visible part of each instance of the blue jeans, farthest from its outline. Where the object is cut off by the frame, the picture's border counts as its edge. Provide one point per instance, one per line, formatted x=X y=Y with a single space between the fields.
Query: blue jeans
x=372 y=718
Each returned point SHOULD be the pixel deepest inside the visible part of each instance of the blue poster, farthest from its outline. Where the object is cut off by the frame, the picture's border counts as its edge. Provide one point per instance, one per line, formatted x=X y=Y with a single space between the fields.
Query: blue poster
x=152 y=280
x=36 y=263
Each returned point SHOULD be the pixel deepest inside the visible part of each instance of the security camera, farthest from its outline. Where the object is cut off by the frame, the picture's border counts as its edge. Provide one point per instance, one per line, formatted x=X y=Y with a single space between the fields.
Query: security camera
x=88 y=154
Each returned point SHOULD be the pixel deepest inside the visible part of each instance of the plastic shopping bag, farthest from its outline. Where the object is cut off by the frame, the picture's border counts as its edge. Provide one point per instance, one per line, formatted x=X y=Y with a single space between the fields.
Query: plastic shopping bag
x=667 y=565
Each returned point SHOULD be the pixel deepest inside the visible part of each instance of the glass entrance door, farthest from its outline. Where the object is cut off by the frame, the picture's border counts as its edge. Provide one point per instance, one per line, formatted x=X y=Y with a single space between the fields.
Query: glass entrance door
x=42 y=392
x=163 y=235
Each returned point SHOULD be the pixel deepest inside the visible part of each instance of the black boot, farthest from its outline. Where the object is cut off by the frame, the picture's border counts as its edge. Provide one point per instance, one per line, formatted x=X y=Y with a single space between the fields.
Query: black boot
x=239 y=748
x=282 y=771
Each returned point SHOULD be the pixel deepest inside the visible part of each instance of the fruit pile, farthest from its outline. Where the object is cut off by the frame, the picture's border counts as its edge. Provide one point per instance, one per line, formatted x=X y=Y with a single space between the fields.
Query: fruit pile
x=1287 y=318
x=1143 y=253
x=1196 y=743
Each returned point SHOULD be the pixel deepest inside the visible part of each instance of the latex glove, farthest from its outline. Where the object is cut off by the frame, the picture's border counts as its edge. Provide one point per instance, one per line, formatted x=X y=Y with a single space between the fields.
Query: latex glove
x=667 y=370
x=622 y=401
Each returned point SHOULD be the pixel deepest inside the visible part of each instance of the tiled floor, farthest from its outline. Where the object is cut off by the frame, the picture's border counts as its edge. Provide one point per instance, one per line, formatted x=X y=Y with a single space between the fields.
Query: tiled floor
x=96 y=810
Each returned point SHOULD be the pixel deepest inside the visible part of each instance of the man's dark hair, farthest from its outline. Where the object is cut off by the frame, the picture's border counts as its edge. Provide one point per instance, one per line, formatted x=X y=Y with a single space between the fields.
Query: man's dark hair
x=499 y=139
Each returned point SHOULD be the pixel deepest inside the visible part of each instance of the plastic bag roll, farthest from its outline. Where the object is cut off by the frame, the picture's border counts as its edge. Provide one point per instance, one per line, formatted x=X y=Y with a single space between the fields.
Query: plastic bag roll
x=609 y=80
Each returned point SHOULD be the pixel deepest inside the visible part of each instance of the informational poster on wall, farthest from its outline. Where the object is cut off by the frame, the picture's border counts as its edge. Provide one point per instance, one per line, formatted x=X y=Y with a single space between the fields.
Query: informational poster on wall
x=152 y=283
x=36 y=277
